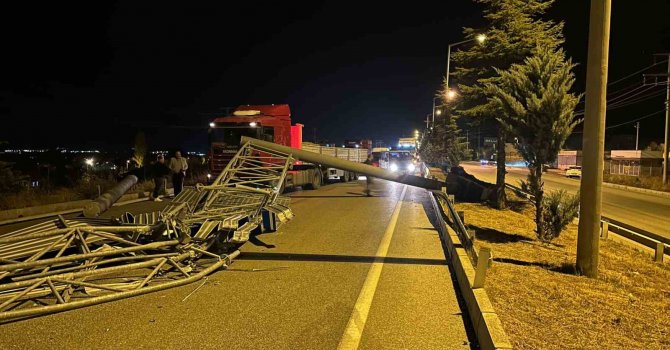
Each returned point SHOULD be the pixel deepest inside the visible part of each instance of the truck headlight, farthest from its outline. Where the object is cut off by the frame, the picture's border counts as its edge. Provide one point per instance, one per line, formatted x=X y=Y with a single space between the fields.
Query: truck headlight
x=411 y=167
x=394 y=167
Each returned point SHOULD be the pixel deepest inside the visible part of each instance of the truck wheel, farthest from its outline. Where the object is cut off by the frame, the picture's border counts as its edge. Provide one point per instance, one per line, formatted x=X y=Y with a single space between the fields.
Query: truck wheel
x=316 y=181
x=344 y=177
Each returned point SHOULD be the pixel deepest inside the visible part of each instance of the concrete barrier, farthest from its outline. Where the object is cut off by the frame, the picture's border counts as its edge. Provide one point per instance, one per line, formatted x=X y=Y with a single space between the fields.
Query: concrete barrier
x=24 y=214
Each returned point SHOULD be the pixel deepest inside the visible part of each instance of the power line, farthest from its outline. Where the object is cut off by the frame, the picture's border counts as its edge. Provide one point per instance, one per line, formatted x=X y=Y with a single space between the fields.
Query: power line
x=639 y=99
x=630 y=121
x=637 y=72
x=611 y=105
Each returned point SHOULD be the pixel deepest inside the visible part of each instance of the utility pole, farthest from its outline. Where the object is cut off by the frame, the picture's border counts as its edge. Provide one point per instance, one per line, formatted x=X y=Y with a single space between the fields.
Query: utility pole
x=667 y=127
x=637 y=135
x=588 y=238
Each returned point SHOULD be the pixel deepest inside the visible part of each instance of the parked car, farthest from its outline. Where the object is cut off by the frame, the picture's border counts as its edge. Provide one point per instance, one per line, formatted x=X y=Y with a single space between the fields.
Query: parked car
x=574 y=171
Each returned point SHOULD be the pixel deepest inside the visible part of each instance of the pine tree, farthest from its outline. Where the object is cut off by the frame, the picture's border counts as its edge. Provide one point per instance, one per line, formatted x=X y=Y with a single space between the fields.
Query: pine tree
x=443 y=144
x=538 y=109
x=513 y=31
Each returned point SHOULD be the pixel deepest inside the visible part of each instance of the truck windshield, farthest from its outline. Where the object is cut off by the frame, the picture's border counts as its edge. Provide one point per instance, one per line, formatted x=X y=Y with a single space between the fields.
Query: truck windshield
x=401 y=156
x=231 y=135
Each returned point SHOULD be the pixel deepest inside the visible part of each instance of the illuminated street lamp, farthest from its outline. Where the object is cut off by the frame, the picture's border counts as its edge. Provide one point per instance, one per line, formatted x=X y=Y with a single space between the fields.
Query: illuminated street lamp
x=211 y=125
x=451 y=94
x=481 y=38
x=89 y=163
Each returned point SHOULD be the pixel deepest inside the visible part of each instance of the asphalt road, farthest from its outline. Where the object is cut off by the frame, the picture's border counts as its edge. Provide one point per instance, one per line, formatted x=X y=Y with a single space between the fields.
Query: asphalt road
x=645 y=211
x=294 y=289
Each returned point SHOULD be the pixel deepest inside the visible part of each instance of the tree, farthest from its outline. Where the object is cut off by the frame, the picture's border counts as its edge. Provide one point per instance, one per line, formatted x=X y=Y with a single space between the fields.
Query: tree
x=538 y=109
x=653 y=146
x=140 y=149
x=444 y=145
x=513 y=31
x=10 y=180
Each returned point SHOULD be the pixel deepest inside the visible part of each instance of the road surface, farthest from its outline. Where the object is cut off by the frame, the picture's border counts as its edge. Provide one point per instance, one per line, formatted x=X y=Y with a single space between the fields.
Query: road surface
x=645 y=211
x=311 y=285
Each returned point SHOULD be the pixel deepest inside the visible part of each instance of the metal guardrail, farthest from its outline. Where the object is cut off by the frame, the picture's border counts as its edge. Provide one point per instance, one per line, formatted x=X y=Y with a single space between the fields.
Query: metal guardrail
x=660 y=244
x=467 y=238
x=481 y=260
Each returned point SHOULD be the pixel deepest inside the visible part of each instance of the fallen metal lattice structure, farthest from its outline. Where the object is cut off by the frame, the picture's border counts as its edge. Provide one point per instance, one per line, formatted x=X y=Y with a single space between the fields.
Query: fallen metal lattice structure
x=70 y=263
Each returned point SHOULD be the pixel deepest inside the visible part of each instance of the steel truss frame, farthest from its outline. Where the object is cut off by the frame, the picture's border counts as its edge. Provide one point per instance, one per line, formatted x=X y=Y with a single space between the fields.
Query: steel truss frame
x=66 y=264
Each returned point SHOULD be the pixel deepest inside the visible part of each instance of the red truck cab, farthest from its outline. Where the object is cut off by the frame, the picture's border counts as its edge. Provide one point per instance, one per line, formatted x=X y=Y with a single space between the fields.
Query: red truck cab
x=264 y=122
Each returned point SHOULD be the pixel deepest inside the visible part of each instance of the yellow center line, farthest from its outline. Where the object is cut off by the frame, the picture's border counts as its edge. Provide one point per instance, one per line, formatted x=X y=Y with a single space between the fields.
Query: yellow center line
x=359 y=316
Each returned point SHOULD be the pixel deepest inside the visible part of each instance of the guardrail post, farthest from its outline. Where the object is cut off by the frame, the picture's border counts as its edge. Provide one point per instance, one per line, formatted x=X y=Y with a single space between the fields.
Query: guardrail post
x=461 y=215
x=660 y=247
x=451 y=198
x=483 y=261
x=605 y=230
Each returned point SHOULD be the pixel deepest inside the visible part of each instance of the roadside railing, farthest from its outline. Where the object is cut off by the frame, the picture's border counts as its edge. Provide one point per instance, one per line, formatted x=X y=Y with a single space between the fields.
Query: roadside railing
x=660 y=244
x=466 y=237
x=481 y=260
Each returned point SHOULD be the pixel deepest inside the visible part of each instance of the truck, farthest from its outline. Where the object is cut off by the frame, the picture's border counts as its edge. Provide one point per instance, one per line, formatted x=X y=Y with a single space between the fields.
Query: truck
x=273 y=123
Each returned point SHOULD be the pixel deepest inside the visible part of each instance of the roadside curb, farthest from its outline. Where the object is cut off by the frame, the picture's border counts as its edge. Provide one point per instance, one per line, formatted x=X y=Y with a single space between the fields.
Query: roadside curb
x=487 y=326
x=637 y=189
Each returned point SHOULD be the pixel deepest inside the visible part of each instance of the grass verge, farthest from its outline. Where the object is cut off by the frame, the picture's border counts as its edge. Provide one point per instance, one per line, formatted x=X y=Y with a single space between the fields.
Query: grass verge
x=648 y=182
x=30 y=197
x=543 y=304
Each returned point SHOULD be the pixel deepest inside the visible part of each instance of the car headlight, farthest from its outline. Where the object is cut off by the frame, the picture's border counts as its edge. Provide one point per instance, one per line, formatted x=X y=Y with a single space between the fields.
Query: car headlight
x=394 y=167
x=411 y=167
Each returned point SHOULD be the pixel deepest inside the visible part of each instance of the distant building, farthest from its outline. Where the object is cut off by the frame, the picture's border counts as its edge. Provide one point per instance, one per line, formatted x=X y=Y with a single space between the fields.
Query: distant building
x=568 y=158
x=367 y=144
x=635 y=163
x=407 y=142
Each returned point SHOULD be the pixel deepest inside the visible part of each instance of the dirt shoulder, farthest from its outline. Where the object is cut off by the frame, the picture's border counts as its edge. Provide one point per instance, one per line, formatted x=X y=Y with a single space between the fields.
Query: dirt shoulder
x=543 y=304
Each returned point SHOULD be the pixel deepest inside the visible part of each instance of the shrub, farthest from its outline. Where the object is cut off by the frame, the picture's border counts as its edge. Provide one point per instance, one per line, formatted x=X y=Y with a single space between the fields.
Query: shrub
x=650 y=182
x=10 y=179
x=558 y=209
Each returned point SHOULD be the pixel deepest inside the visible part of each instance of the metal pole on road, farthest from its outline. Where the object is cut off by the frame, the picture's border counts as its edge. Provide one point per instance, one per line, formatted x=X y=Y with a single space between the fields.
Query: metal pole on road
x=637 y=135
x=342 y=164
x=588 y=238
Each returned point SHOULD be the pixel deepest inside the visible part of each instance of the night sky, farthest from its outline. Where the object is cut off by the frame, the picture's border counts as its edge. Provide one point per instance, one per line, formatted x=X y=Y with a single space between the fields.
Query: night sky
x=91 y=74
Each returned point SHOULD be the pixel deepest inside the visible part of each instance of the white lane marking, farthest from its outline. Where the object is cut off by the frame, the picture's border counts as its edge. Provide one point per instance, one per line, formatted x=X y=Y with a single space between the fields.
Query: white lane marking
x=359 y=316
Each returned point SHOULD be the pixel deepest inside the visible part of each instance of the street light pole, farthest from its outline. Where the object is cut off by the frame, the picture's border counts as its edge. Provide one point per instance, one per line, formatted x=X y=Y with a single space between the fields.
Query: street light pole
x=480 y=38
x=667 y=126
x=588 y=237
x=637 y=135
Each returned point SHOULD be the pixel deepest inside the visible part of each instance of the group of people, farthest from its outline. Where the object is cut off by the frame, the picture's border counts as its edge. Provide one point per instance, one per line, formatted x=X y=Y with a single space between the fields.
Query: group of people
x=176 y=167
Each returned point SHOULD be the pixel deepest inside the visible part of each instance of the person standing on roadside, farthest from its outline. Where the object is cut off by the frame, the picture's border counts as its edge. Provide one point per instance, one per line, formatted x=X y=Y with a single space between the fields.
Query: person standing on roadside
x=368 y=178
x=178 y=166
x=160 y=171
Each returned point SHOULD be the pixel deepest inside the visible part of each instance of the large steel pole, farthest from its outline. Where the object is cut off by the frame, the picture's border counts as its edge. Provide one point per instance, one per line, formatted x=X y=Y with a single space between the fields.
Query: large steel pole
x=667 y=126
x=588 y=238
x=105 y=201
x=334 y=162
